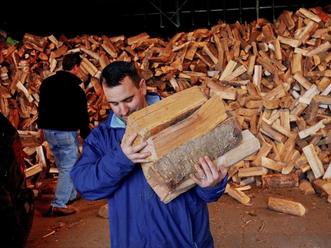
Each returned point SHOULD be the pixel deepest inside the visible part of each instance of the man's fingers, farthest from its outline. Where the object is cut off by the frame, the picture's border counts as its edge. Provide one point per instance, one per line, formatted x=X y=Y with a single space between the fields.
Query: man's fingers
x=212 y=167
x=208 y=174
x=205 y=167
x=200 y=172
x=132 y=138
x=223 y=170
x=195 y=179
x=142 y=155
x=139 y=147
x=139 y=161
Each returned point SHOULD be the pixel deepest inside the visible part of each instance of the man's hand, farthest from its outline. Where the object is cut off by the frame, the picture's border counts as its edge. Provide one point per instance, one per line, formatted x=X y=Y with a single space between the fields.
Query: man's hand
x=135 y=153
x=207 y=173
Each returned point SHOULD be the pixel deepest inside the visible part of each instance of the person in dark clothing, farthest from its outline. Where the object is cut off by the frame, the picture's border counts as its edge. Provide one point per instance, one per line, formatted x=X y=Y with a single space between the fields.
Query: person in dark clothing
x=109 y=168
x=16 y=200
x=62 y=112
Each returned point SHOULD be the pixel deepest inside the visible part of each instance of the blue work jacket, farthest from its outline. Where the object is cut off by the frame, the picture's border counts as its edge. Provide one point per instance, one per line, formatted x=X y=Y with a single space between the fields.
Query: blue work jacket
x=137 y=217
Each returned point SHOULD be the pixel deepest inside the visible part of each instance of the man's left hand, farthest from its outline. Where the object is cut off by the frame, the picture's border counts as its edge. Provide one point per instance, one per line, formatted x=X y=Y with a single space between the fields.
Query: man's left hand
x=135 y=153
x=208 y=175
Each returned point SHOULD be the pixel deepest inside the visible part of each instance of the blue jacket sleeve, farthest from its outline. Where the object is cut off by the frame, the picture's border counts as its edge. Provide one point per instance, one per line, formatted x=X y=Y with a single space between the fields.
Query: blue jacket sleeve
x=212 y=194
x=100 y=170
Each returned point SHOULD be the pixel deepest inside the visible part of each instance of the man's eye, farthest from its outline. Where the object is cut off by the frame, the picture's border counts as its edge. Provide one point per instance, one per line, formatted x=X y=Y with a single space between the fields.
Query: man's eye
x=114 y=103
x=128 y=100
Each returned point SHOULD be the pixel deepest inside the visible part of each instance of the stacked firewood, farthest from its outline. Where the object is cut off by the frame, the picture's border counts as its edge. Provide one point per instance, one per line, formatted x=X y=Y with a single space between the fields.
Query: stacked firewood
x=274 y=77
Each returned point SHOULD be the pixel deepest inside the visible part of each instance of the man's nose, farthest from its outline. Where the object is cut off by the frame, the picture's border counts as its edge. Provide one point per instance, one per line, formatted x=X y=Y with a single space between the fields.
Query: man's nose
x=124 y=109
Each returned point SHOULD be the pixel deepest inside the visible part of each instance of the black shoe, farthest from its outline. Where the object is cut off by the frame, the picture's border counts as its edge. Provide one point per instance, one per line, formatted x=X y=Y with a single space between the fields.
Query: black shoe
x=55 y=211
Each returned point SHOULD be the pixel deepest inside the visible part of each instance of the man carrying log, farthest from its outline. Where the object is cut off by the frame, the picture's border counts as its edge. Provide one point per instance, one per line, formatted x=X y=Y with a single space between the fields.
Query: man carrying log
x=110 y=168
x=62 y=112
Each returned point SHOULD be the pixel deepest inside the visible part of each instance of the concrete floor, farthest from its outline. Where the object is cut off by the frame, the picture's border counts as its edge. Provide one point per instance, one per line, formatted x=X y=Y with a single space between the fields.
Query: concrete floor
x=232 y=224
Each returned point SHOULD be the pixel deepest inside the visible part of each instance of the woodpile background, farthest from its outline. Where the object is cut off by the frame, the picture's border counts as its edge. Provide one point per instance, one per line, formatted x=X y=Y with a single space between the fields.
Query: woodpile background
x=275 y=77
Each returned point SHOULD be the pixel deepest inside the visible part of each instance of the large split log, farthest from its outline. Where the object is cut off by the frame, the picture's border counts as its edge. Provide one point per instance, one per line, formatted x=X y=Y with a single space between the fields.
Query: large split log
x=176 y=149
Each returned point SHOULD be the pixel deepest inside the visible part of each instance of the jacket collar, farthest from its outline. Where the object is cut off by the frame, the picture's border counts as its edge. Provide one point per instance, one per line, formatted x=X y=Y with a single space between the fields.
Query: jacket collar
x=69 y=75
x=116 y=122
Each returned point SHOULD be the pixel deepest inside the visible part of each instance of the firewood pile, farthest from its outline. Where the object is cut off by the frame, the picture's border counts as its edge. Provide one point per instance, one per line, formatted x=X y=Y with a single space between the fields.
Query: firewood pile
x=274 y=77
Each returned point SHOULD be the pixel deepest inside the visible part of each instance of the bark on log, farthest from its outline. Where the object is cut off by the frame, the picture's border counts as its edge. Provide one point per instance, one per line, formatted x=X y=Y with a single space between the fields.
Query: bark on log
x=280 y=181
x=176 y=149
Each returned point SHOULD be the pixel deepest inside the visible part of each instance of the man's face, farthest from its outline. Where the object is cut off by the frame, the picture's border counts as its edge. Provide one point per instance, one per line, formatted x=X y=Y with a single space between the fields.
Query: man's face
x=126 y=98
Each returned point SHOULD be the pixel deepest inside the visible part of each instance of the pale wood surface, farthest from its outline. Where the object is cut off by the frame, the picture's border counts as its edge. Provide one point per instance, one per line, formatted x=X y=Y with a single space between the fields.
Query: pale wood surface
x=286 y=206
x=158 y=116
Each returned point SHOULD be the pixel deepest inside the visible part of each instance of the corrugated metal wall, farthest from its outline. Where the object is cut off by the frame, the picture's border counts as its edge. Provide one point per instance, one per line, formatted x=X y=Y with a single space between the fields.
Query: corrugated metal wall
x=164 y=16
x=157 y=17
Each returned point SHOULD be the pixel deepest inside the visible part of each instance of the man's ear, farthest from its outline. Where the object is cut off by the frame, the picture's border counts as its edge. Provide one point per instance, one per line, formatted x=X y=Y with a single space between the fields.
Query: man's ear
x=75 y=69
x=142 y=86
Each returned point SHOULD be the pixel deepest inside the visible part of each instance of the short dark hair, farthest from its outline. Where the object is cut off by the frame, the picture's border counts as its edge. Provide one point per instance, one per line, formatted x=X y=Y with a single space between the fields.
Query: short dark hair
x=70 y=60
x=116 y=71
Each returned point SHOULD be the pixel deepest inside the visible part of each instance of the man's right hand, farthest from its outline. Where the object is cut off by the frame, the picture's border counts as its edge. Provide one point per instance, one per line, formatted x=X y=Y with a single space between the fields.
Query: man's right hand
x=135 y=153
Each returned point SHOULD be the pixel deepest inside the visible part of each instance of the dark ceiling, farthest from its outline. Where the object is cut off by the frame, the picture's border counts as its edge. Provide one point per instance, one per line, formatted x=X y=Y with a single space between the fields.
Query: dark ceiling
x=116 y=17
